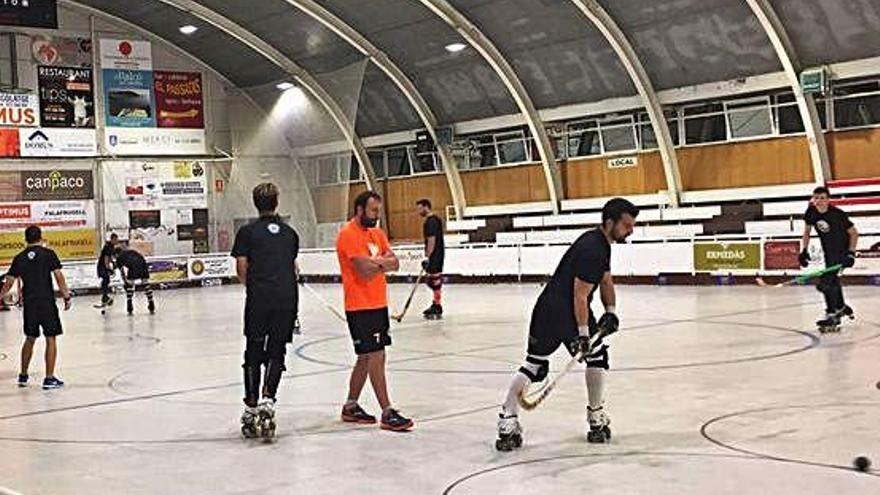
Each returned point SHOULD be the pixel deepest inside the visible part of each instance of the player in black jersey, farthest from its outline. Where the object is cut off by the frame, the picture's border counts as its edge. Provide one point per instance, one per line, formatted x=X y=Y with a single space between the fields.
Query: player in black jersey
x=135 y=272
x=435 y=254
x=563 y=316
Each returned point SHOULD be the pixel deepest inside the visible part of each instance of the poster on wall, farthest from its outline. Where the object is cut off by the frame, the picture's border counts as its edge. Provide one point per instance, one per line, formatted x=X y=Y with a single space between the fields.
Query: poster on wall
x=48 y=185
x=61 y=50
x=44 y=142
x=10 y=145
x=155 y=142
x=47 y=214
x=66 y=96
x=29 y=13
x=19 y=110
x=179 y=102
x=782 y=255
x=128 y=97
x=126 y=54
x=717 y=256
x=74 y=244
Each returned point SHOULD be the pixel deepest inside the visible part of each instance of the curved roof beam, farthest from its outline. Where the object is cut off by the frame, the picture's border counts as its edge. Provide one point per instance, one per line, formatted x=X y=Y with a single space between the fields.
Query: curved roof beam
x=303 y=77
x=484 y=46
x=630 y=60
x=397 y=76
x=784 y=48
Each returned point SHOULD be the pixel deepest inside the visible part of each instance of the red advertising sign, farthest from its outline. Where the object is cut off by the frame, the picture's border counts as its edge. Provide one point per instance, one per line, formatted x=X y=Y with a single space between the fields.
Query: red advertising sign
x=179 y=100
x=9 y=143
x=781 y=255
x=15 y=212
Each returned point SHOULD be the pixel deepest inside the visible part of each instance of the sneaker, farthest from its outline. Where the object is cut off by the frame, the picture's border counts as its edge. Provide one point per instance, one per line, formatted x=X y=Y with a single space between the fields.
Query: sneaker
x=129 y=307
x=151 y=307
x=393 y=421
x=355 y=414
x=51 y=382
x=22 y=380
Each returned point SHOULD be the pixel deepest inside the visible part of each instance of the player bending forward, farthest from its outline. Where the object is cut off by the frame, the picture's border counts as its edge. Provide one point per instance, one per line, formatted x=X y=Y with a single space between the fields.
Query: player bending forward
x=563 y=315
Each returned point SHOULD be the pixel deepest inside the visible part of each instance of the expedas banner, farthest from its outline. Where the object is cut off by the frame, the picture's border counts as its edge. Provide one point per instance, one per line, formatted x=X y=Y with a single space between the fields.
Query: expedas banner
x=717 y=256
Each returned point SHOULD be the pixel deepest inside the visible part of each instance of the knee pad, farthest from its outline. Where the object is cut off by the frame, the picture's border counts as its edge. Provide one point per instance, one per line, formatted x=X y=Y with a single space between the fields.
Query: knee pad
x=598 y=359
x=536 y=369
x=434 y=282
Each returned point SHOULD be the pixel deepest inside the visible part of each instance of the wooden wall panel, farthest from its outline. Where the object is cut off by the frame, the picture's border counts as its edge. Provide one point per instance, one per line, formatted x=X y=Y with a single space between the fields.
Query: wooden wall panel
x=591 y=177
x=505 y=185
x=746 y=164
x=854 y=154
x=332 y=203
x=400 y=202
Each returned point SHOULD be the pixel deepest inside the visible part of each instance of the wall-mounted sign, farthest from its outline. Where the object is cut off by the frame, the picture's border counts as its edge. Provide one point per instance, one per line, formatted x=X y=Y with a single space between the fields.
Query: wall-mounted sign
x=126 y=55
x=128 y=97
x=179 y=99
x=60 y=50
x=44 y=142
x=66 y=96
x=715 y=256
x=152 y=142
x=29 y=13
x=48 y=185
x=19 y=110
x=623 y=162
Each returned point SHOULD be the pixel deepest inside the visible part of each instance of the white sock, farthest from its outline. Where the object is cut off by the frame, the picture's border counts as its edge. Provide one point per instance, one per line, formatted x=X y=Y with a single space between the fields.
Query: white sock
x=595 y=378
x=511 y=403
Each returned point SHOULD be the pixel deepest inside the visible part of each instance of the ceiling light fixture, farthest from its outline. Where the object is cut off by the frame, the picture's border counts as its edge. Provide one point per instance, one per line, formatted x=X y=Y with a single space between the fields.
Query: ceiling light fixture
x=455 y=47
x=284 y=86
x=188 y=29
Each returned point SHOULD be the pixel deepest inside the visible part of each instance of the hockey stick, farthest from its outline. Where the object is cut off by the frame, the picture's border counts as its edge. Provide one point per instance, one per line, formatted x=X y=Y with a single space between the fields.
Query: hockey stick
x=800 y=279
x=530 y=401
x=325 y=303
x=398 y=317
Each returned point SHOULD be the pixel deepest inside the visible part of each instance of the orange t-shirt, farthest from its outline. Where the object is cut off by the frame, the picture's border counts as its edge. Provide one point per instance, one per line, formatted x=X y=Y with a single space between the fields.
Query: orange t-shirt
x=354 y=241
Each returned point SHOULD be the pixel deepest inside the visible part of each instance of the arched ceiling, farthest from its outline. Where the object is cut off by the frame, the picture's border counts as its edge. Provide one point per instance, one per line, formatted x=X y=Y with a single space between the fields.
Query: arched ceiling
x=559 y=56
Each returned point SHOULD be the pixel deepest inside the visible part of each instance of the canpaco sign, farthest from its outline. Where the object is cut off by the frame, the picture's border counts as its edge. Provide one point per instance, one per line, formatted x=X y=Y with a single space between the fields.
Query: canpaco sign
x=19 y=110
x=48 y=185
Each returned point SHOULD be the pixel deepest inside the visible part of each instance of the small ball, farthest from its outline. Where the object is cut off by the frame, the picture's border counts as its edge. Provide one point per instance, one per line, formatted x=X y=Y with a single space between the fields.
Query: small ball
x=862 y=463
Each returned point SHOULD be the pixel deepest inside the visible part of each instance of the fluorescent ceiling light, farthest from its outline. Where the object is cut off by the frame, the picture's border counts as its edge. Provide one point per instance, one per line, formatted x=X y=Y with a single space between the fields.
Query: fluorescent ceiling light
x=284 y=86
x=455 y=47
x=188 y=29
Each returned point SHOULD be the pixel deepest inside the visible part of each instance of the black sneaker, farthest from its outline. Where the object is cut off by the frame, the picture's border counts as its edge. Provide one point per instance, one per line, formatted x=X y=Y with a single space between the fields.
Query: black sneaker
x=355 y=414
x=393 y=421
x=51 y=382
x=22 y=380
x=151 y=307
x=129 y=307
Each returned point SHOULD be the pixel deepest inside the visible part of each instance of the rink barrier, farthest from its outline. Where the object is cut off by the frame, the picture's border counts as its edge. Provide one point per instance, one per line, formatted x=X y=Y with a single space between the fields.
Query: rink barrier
x=648 y=261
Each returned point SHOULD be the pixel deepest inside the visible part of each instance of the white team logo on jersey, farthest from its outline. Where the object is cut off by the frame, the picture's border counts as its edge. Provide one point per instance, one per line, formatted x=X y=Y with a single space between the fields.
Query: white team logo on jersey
x=822 y=226
x=374 y=249
x=32 y=255
x=274 y=228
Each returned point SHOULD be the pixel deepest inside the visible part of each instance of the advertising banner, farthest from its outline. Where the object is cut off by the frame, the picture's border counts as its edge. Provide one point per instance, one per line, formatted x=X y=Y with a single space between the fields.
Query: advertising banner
x=168 y=270
x=139 y=142
x=715 y=256
x=10 y=145
x=48 y=185
x=211 y=267
x=782 y=255
x=179 y=100
x=29 y=13
x=68 y=244
x=58 y=142
x=128 y=97
x=67 y=96
x=61 y=50
x=19 y=110
x=51 y=215
x=126 y=55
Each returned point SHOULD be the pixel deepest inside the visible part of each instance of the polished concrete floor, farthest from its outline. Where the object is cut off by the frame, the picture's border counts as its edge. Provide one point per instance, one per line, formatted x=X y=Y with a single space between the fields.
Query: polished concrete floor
x=721 y=390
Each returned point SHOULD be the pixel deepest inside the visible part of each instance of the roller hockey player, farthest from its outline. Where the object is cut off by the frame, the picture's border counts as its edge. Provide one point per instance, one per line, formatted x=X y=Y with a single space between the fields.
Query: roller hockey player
x=134 y=270
x=105 y=269
x=839 y=239
x=562 y=315
x=435 y=253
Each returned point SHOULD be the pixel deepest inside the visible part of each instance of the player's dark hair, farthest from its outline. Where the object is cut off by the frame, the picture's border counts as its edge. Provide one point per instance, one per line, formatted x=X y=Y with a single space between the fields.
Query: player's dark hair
x=114 y=237
x=822 y=190
x=33 y=234
x=424 y=202
x=361 y=200
x=615 y=209
x=266 y=197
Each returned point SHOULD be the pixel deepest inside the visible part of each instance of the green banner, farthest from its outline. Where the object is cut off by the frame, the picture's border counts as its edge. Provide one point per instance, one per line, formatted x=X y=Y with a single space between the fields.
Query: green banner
x=717 y=256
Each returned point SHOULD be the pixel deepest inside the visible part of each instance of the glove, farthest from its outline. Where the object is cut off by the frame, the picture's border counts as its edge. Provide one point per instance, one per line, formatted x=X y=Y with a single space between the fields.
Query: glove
x=804 y=258
x=609 y=323
x=849 y=260
x=580 y=345
x=425 y=264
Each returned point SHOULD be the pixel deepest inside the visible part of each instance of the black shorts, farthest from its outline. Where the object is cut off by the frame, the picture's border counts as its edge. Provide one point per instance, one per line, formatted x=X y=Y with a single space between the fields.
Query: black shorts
x=435 y=265
x=143 y=275
x=548 y=330
x=369 y=330
x=41 y=314
x=260 y=322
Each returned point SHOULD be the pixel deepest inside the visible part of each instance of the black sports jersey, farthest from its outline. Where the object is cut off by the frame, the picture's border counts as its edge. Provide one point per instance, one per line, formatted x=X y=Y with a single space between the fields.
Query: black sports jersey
x=106 y=252
x=588 y=259
x=832 y=227
x=34 y=266
x=132 y=261
x=433 y=227
x=271 y=248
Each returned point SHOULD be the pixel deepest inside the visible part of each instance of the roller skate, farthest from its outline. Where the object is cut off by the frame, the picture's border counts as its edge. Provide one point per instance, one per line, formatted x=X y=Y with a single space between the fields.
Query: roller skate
x=830 y=324
x=509 y=433
x=151 y=307
x=250 y=428
x=266 y=418
x=435 y=312
x=598 y=423
x=129 y=307
x=106 y=302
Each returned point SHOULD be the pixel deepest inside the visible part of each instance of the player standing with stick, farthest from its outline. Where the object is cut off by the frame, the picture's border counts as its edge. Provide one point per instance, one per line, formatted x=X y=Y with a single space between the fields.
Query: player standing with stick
x=563 y=315
x=839 y=239
x=105 y=268
x=435 y=253
x=36 y=266
x=265 y=254
x=365 y=256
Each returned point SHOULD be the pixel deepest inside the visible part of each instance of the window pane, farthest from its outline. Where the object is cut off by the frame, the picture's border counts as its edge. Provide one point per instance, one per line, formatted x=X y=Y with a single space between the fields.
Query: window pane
x=487 y=155
x=649 y=140
x=857 y=112
x=354 y=170
x=704 y=109
x=328 y=170
x=377 y=158
x=618 y=139
x=584 y=144
x=790 y=121
x=398 y=162
x=705 y=129
x=512 y=152
x=750 y=122
x=424 y=163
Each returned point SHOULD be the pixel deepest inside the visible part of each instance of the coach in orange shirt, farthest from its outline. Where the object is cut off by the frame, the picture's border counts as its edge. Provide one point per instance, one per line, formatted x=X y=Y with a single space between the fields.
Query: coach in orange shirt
x=365 y=257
